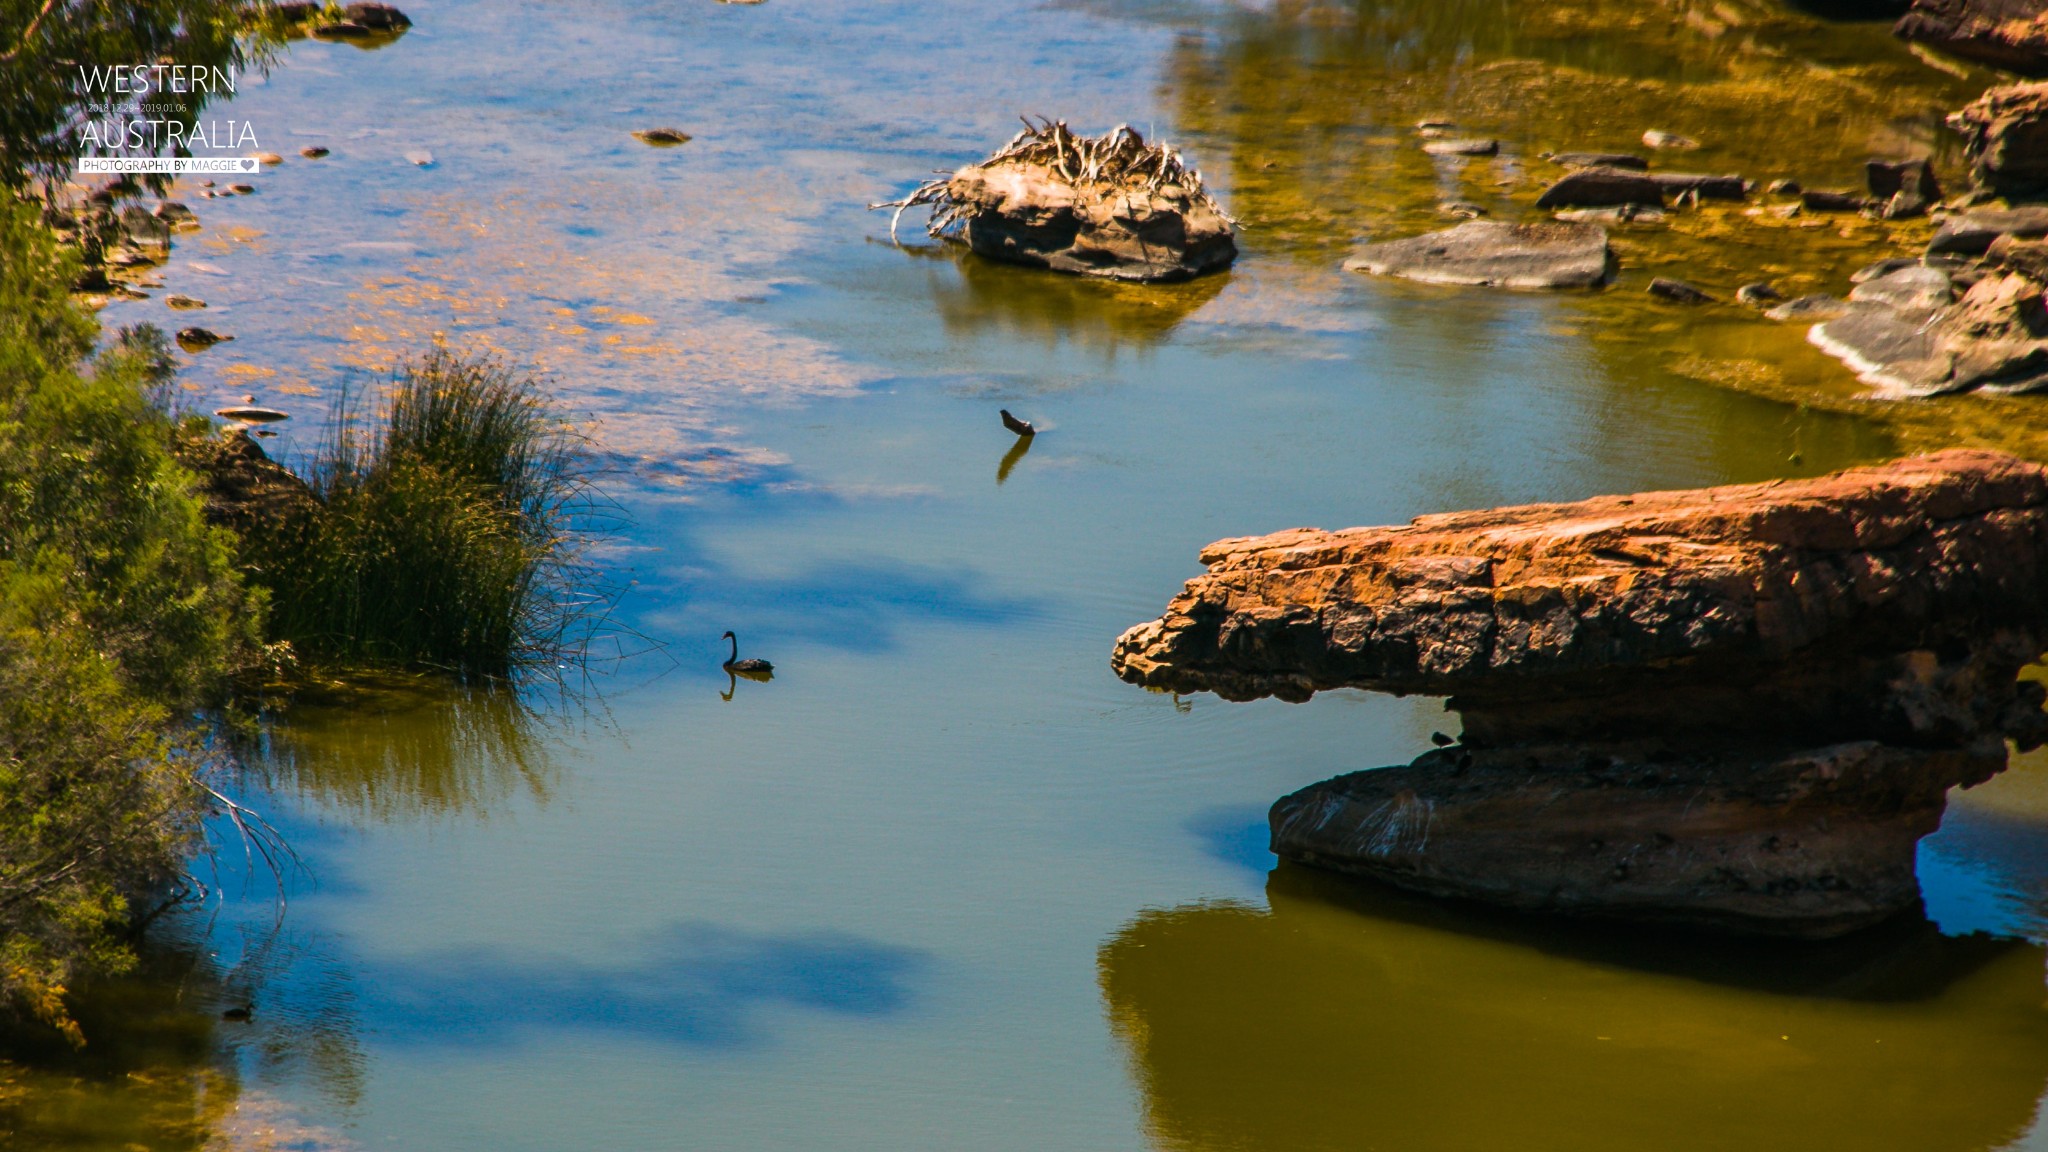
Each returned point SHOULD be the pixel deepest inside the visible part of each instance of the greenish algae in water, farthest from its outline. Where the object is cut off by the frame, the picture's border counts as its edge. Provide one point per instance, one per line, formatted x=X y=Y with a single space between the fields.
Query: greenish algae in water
x=1314 y=108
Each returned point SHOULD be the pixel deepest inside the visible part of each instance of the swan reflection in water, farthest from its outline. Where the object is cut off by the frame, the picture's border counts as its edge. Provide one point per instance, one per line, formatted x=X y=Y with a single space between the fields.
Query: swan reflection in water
x=1346 y=1017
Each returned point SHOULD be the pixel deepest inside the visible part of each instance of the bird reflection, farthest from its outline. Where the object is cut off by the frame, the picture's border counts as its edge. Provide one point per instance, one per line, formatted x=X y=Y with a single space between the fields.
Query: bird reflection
x=733 y=676
x=1017 y=452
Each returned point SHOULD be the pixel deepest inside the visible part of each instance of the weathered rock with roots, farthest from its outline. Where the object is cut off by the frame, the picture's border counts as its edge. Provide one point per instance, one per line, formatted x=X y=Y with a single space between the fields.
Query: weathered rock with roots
x=1737 y=707
x=1110 y=206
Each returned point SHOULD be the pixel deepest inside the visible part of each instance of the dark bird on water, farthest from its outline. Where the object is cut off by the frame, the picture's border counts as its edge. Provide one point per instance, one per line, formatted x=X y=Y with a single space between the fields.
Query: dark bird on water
x=1020 y=427
x=241 y=1014
x=751 y=668
x=1441 y=740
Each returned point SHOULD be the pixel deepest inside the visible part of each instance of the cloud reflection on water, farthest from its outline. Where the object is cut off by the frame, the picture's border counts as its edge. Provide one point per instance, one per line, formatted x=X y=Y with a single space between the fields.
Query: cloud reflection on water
x=852 y=605
x=694 y=985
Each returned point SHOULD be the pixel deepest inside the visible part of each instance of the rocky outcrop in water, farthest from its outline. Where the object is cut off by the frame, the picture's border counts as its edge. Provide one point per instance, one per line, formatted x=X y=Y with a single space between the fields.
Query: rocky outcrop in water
x=2008 y=34
x=1111 y=206
x=1943 y=325
x=2005 y=134
x=1737 y=707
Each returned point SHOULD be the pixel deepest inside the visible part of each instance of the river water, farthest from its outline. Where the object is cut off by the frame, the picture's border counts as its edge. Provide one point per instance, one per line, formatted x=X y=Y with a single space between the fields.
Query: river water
x=945 y=882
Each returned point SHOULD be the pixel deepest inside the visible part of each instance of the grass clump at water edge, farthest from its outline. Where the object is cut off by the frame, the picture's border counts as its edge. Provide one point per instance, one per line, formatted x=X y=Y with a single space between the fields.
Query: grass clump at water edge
x=447 y=533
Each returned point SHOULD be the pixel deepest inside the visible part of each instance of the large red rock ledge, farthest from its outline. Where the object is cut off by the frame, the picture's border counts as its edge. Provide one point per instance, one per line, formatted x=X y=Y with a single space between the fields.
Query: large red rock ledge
x=1738 y=707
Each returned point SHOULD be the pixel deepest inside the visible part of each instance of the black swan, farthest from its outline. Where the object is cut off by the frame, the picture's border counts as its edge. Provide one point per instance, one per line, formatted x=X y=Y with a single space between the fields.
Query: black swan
x=751 y=668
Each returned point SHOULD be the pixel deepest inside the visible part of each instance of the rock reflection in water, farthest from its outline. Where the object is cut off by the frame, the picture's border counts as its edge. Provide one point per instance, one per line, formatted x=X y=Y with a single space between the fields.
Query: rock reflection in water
x=400 y=747
x=976 y=297
x=1348 y=1018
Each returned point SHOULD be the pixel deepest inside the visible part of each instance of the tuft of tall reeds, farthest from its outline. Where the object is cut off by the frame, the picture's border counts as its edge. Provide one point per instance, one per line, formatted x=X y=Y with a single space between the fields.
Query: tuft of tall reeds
x=449 y=531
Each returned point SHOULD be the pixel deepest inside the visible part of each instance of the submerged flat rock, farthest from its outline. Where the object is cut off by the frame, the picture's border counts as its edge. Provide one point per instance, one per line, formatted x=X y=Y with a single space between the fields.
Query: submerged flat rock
x=1492 y=254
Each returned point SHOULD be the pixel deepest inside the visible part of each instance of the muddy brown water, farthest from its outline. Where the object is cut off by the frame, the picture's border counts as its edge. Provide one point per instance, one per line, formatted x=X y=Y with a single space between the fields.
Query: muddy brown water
x=944 y=882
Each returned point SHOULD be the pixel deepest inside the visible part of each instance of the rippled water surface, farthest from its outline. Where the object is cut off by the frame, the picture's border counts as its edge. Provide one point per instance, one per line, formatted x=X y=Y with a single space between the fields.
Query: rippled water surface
x=945 y=882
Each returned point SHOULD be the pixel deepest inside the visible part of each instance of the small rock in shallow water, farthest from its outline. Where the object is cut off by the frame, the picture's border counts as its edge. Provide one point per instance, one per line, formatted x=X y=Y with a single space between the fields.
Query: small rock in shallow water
x=1887 y=179
x=1914 y=287
x=197 y=339
x=251 y=414
x=1598 y=160
x=1678 y=292
x=1660 y=139
x=1903 y=205
x=1758 y=294
x=1492 y=254
x=1972 y=233
x=1784 y=188
x=1816 y=200
x=1617 y=214
x=1704 y=186
x=1462 y=209
x=242 y=189
x=1819 y=306
x=313 y=152
x=421 y=157
x=271 y=158
x=662 y=137
x=1462 y=147
x=183 y=303
x=1599 y=187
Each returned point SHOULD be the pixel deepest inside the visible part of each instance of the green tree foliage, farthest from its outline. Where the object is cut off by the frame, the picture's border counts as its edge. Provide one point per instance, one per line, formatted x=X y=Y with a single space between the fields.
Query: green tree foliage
x=44 y=43
x=120 y=615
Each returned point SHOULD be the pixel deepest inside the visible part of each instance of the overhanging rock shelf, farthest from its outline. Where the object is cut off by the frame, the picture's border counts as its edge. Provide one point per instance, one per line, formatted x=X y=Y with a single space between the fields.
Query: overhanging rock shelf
x=1737 y=707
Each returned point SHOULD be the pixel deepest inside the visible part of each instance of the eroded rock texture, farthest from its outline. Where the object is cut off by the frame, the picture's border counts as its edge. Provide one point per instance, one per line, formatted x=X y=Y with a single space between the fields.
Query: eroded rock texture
x=2005 y=133
x=2009 y=34
x=1737 y=706
x=1111 y=206
x=1026 y=213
